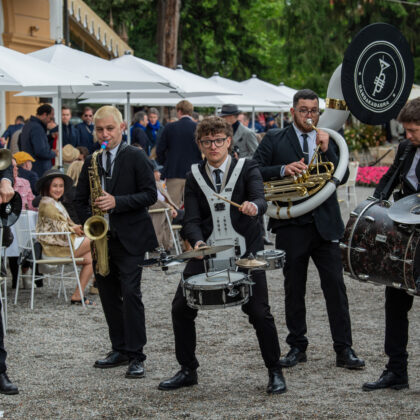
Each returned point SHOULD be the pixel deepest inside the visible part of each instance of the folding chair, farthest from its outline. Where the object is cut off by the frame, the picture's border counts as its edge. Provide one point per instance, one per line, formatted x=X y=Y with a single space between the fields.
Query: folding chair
x=172 y=228
x=349 y=188
x=26 y=240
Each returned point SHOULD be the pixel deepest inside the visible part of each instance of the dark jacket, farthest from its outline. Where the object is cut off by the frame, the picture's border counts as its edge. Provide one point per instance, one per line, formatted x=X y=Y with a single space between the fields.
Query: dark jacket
x=280 y=147
x=138 y=135
x=11 y=129
x=198 y=223
x=34 y=141
x=134 y=188
x=406 y=187
x=177 y=149
x=31 y=176
x=70 y=135
x=149 y=132
x=86 y=136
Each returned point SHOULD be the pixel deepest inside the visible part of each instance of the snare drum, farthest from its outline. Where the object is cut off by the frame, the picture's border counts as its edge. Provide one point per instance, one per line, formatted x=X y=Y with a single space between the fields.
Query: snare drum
x=217 y=290
x=378 y=250
x=275 y=258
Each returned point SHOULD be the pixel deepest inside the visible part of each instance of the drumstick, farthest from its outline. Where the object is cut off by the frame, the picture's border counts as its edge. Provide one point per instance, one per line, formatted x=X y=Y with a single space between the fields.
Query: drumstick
x=228 y=201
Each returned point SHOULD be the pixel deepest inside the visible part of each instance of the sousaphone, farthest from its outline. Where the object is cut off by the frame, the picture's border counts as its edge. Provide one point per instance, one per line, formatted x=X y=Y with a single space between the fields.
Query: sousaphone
x=373 y=83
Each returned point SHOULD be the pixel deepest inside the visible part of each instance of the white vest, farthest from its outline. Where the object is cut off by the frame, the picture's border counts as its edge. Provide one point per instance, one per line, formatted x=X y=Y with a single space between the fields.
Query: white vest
x=223 y=232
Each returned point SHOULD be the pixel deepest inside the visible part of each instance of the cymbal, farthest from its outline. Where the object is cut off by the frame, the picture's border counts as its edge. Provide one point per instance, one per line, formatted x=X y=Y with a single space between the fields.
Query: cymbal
x=406 y=210
x=203 y=251
x=250 y=263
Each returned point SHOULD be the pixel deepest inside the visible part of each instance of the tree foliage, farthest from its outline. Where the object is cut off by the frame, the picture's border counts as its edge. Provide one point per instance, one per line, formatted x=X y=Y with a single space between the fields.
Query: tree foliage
x=299 y=42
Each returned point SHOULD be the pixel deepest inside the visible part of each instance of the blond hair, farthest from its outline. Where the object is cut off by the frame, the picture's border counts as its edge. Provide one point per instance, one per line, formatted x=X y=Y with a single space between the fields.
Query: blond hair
x=108 y=111
x=74 y=171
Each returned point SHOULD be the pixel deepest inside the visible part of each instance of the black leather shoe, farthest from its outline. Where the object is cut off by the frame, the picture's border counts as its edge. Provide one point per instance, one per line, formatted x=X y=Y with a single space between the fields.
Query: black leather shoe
x=135 y=370
x=113 y=359
x=276 y=382
x=347 y=359
x=6 y=387
x=292 y=358
x=185 y=377
x=387 y=380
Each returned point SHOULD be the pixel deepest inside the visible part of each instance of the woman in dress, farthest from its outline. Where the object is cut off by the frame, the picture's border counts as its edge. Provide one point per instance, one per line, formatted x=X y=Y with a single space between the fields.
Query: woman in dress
x=53 y=217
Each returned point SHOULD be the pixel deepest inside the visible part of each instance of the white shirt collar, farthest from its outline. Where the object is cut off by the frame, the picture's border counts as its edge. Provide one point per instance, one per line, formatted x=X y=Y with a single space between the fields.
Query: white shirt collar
x=299 y=133
x=222 y=167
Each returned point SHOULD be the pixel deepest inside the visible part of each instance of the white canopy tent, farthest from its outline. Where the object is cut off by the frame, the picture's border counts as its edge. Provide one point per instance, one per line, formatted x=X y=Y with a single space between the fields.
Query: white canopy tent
x=19 y=71
x=91 y=66
x=415 y=92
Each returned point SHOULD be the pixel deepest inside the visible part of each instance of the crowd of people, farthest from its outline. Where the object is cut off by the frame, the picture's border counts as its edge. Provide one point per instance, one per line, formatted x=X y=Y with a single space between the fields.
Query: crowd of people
x=176 y=167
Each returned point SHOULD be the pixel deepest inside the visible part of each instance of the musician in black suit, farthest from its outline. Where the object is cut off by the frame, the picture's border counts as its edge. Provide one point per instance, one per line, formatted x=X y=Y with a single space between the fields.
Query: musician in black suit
x=214 y=135
x=6 y=194
x=177 y=150
x=129 y=188
x=287 y=152
x=404 y=172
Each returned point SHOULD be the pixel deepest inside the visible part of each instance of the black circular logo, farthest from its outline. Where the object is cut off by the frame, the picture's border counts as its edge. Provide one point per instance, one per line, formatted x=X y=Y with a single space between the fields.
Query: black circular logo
x=377 y=73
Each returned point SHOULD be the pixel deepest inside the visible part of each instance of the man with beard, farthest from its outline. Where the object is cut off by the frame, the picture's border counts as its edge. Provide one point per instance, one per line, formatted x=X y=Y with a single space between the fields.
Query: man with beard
x=287 y=152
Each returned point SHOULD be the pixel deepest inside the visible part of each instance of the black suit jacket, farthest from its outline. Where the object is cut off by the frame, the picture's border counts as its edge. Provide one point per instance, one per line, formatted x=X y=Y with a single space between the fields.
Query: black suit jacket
x=406 y=187
x=280 y=147
x=198 y=223
x=134 y=188
x=176 y=149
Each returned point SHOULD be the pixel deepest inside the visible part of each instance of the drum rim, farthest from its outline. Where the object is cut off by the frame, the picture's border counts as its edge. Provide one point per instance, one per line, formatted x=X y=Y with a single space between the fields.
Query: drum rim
x=215 y=286
x=277 y=253
x=241 y=302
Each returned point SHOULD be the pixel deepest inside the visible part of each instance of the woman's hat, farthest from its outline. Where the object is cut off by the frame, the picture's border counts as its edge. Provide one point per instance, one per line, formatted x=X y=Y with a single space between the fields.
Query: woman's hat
x=70 y=153
x=51 y=174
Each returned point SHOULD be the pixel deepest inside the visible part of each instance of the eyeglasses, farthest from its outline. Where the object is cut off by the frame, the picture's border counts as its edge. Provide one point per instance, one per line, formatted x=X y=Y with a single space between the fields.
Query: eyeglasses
x=88 y=115
x=217 y=142
x=305 y=111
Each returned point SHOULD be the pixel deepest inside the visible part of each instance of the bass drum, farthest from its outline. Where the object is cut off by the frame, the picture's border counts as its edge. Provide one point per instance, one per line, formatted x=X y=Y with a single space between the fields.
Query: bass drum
x=378 y=250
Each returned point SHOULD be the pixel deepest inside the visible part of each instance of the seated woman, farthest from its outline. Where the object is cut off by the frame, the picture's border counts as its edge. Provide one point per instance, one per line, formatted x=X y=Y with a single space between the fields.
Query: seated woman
x=53 y=217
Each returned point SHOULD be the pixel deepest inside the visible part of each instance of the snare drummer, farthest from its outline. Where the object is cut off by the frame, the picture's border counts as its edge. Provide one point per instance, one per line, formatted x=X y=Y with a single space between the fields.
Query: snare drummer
x=214 y=137
x=406 y=168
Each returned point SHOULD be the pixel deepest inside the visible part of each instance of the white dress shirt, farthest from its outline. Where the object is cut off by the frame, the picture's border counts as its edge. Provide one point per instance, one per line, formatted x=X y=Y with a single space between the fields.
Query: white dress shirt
x=411 y=174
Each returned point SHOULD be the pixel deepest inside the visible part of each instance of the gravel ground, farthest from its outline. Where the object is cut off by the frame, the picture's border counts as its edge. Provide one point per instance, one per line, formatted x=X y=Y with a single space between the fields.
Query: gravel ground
x=52 y=350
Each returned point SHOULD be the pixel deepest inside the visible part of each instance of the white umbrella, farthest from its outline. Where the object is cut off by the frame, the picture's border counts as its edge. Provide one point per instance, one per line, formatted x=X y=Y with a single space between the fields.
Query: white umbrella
x=270 y=92
x=19 y=71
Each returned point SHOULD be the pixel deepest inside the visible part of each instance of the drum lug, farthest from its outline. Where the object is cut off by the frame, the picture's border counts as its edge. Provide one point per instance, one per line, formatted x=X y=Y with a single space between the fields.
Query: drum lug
x=370 y=219
x=395 y=258
x=353 y=213
x=363 y=277
x=224 y=296
x=200 y=298
x=358 y=249
x=342 y=245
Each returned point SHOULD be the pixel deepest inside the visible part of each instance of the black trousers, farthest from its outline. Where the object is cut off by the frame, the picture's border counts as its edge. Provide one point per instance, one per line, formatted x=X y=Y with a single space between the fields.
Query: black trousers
x=122 y=301
x=257 y=309
x=397 y=305
x=300 y=243
x=3 y=353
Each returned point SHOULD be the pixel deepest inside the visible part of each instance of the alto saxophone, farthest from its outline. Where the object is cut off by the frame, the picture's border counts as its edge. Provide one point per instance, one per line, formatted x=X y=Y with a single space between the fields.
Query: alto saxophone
x=96 y=227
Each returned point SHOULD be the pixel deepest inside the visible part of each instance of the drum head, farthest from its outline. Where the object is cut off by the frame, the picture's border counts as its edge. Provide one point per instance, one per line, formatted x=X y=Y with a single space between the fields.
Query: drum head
x=213 y=280
x=270 y=253
x=9 y=212
x=377 y=73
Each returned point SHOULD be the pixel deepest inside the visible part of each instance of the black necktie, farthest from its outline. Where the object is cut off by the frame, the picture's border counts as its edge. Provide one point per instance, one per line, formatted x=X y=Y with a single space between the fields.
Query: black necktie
x=305 y=148
x=108 y=170
x=418 y=175
x=217 y=173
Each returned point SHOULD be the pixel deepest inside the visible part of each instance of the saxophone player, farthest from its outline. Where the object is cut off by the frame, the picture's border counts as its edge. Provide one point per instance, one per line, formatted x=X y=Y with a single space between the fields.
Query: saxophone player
x=128 y=189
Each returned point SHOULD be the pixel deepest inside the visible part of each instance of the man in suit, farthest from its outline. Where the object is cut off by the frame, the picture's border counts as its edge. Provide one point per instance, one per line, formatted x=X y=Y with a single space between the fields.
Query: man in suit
x=11 y=129
x=214 y=135
x=129 y=188
x=138 y=133
x=70 y=133
x=85 y=130
x=177 y=151
x=243 y=138
x=34 y=140
x=405 y=171
x=315 y=235
x=6 y=194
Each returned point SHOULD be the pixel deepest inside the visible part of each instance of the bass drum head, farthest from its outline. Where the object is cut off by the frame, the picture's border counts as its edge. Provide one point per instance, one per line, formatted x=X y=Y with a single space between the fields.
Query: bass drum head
x=377 y=73
x=10 y=212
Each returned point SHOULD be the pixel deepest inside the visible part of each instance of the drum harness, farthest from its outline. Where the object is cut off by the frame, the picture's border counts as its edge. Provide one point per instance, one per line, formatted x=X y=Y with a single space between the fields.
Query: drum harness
x=223 y=232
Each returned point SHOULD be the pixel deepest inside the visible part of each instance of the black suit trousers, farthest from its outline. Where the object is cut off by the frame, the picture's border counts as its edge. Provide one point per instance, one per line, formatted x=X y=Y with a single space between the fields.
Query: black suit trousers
x=397 y=305
x=3 y=353
x=302 y=242
x=257 y=309
x=122 y=301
